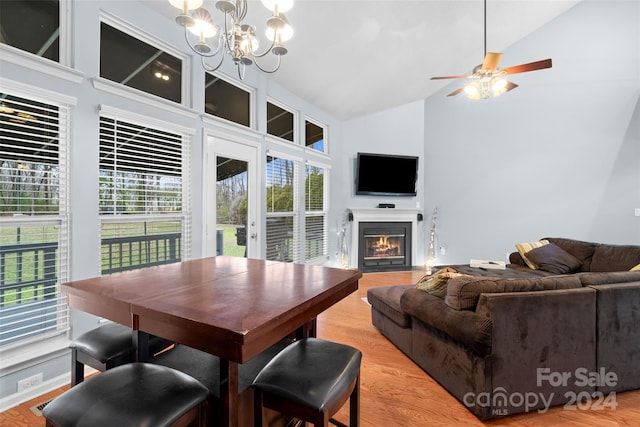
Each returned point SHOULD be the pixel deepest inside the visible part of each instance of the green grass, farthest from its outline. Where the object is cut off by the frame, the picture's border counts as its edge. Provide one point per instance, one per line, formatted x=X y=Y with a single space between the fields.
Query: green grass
x=229 y=246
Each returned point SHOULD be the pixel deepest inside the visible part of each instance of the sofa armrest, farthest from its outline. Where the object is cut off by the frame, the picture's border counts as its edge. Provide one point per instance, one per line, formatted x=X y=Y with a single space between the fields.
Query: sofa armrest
x=553 y=330
x=465 y=326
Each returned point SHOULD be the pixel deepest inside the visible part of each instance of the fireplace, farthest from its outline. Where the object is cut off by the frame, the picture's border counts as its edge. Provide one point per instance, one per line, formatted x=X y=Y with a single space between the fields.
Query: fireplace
x=384 y=246
x=394 y=221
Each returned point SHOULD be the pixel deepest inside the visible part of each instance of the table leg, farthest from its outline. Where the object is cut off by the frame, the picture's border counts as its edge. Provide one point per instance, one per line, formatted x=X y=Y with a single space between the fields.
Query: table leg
x=229 y=393
x=308 y=330
x=140 y=340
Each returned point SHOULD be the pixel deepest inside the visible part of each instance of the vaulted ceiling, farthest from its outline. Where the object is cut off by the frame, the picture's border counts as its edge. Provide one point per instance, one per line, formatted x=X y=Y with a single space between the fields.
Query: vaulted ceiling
x=354 y=57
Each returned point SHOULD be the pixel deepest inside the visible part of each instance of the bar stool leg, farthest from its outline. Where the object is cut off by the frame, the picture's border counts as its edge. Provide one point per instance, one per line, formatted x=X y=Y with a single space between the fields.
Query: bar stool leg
x=354 y=405
x=77 y=369
x=258 y=409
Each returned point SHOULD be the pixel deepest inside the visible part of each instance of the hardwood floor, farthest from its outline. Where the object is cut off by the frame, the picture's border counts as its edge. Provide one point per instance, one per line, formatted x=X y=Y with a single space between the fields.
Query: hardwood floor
x=394 y=391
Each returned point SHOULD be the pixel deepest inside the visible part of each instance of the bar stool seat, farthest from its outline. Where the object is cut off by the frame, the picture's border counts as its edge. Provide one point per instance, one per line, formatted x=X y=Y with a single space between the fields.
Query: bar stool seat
x=310 y=380
x=135 y=394
x=105 y=347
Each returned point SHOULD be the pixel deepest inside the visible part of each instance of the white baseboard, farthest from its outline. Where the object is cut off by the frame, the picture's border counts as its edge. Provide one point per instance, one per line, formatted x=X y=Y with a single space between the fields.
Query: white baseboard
x=33 y=392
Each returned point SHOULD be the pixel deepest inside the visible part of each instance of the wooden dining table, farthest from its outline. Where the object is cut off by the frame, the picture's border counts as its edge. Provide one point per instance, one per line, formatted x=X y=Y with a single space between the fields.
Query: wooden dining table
x=234 y=308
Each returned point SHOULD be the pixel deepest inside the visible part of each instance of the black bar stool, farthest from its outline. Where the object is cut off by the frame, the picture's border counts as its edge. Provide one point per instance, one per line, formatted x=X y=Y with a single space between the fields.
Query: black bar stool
x=105 y=347
x=310 y=380
x=135 y=394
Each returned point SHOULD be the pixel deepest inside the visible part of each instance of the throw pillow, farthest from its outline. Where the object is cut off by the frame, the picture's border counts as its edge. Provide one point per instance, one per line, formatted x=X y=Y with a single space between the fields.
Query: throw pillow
x=636 y=268
x=525 y=247
x=436 y=283
x=554 y=259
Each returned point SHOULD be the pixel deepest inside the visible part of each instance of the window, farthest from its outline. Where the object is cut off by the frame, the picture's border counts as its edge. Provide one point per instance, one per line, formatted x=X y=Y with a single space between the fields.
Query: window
x=281 y=224
x=315 y=239
x=126 y=60
x=227 y=101
x=280 y=122
x=314 y=137
x=144 y=183
x=34 y=210
x=32 y=25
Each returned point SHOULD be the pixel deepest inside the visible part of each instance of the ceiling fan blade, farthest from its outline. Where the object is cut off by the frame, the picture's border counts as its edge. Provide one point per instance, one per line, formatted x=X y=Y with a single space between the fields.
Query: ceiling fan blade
x=457 y=91
x=449 y=77
x=531 y=66
x=491 y=61
x=510 y=86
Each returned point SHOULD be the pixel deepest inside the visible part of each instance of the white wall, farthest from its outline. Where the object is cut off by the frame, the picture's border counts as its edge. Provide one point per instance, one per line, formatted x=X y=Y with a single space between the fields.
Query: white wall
x=558 y=156
x=396 y=131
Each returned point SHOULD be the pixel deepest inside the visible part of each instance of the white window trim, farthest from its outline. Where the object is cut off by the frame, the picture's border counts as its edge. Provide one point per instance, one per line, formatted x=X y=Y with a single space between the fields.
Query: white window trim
x=142 y=120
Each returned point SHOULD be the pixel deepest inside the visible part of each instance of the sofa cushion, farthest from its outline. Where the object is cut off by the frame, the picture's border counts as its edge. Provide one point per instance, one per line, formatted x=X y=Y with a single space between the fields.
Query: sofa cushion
x=463 y=292
x=554 y=259
x=609 y=278
x=525 y=247
x=467 y=327
x=386 y=299
x=436 y=283
x=614 y=258
x=579 y=249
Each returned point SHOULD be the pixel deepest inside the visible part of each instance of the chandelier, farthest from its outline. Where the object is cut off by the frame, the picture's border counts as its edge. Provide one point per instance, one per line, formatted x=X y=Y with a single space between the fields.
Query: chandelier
x=231 y=36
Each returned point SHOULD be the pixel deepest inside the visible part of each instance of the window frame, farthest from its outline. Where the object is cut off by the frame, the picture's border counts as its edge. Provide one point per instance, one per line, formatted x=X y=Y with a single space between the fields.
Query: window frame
x=324 y=213
x=35 y=347
x=184 y=216
x=61 y=69
x=137 y=94
x=325 y=137
x=295 y=130
x=297 y=164
x=252 y=100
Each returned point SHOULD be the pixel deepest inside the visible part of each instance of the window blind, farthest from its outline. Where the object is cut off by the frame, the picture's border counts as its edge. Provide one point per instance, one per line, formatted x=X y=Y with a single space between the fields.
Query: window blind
x=315 y=213
x=144 y=195
x=34 y=234
x=282 y=228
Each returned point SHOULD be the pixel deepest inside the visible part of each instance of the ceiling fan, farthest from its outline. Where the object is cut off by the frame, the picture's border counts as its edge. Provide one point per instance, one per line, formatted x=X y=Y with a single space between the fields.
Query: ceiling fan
x=486 y=78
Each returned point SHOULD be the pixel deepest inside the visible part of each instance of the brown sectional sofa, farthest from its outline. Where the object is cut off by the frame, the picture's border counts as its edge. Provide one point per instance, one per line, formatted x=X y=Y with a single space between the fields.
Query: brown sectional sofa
x=519 y=340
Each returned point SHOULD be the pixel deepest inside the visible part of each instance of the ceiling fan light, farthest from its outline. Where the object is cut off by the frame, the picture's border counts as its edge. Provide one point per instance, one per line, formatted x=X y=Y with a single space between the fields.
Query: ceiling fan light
x=472 y=90
x=498 y=86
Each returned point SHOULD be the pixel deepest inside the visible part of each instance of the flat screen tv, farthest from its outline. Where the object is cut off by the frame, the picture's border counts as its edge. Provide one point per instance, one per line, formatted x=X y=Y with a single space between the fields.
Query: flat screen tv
x=386 y=175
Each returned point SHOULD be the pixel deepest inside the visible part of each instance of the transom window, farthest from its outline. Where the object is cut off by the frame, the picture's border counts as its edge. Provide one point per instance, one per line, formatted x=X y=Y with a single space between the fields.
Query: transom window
x=32 y=25
x=280 y=122
x=225 y=100
x=314 y=136
x=126 y=60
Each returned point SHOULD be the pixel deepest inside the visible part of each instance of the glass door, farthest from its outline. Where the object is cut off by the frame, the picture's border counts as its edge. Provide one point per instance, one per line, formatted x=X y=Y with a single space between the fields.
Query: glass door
x=231 y=202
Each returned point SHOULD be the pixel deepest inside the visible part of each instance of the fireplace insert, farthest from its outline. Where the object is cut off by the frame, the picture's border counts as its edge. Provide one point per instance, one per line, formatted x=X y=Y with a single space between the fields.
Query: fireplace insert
x=384 y=246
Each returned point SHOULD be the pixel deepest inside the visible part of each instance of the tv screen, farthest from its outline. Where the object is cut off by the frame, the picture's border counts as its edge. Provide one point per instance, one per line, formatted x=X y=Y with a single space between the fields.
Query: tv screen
x=386 y=175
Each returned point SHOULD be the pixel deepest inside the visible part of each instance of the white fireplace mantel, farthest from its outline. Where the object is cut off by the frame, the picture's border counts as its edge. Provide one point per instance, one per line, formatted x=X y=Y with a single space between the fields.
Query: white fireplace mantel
x=382 y=215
